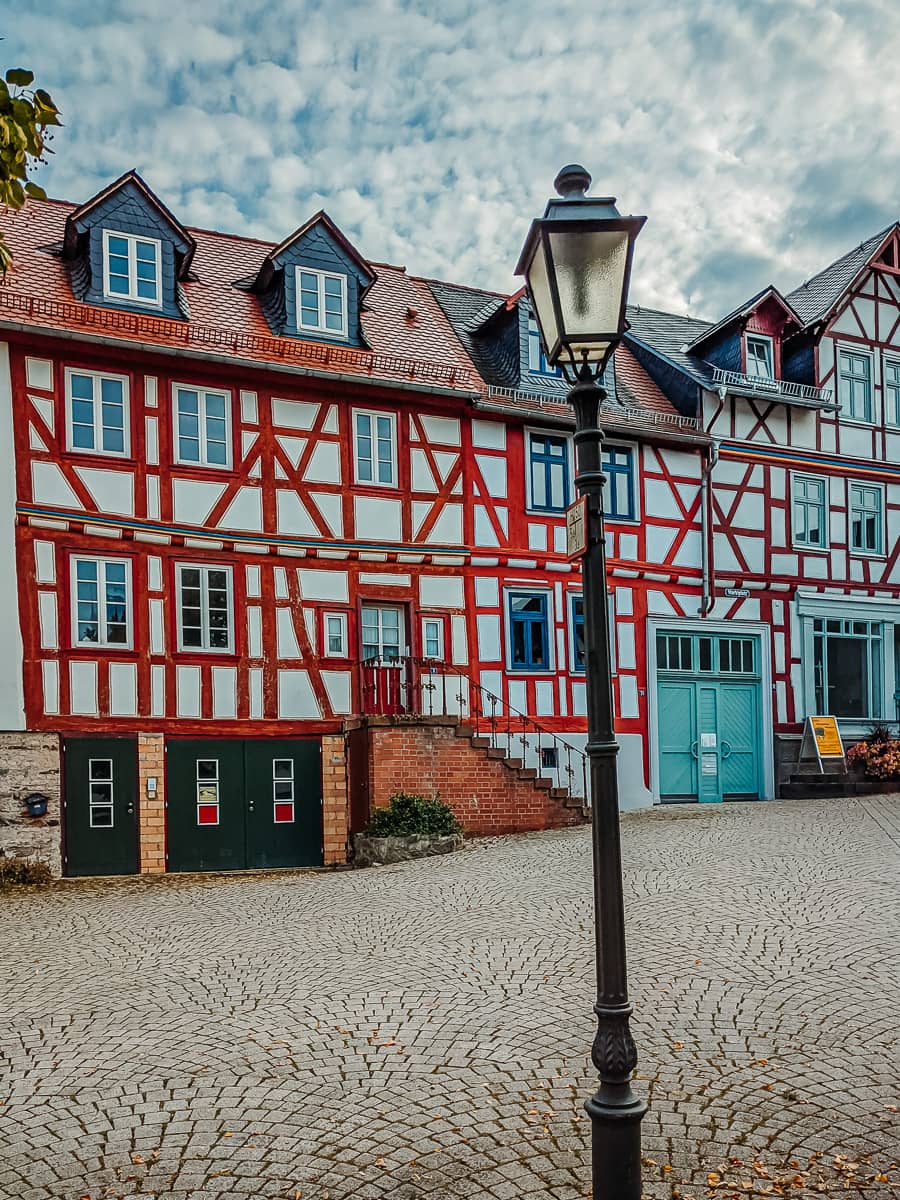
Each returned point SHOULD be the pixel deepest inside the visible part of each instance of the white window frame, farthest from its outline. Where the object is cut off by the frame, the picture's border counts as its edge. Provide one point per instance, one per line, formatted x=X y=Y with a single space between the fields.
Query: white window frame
x=204 y=569
x=202 y=393
x=131 y=295
x=276 y=780
x=373 y=414
x=102 y=641
x=442 y=649
x=320 y=277
x=344 y=651
x=207 y=783
x=891 y=418
x=858 y=351
x=808 y=547
x=770 y=344
x=97 y=403
x=92 y=804
x=878 y=487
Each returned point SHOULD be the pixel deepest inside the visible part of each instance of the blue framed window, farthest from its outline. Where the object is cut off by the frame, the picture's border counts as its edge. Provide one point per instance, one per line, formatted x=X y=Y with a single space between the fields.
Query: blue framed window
x=866 y=518
x=810 y=515
x=549 y=472
x=537 y=363
x=529 y=631
x=618 y=495
x=577 y=626
x=855 y=385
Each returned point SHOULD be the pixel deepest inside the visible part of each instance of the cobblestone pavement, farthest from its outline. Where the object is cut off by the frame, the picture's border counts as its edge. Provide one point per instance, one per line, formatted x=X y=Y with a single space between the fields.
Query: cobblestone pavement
x=423 y=1030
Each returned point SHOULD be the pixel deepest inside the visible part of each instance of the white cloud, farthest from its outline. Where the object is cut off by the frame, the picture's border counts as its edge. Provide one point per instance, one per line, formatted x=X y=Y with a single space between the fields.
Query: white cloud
x=758 y=136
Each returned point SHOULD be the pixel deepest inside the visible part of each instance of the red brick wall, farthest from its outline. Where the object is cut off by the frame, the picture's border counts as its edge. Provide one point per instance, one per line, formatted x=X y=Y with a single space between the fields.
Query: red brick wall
x=430 y=759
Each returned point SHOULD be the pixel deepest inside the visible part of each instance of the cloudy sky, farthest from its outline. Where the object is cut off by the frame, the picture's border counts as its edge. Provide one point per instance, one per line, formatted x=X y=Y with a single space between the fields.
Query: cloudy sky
x=760 y=137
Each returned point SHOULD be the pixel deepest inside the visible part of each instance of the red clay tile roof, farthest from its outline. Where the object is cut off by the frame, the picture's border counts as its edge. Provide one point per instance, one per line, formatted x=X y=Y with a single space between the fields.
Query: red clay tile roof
x=411 y=339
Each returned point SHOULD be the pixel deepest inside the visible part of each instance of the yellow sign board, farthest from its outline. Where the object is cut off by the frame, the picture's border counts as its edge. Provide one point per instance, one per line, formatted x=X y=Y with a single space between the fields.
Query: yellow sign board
x=828 y=737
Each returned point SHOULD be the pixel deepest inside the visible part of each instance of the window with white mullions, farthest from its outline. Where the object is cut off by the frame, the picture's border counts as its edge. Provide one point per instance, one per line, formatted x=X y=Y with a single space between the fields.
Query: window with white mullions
x=101 y=602
x=207 y=782
x=204 y=606
x=321 y=302
x=202 y=427
x=375 y=448
x=100 y=793
x=892 y=391
x=809 y=511
x=760 y=356
x=283 y=790
x=131 y=268
x=866 y=519
x=382 y=630
x=97 y=412
x=336 y=635
x=847 y=667
x=855 y=385
x=433 y=637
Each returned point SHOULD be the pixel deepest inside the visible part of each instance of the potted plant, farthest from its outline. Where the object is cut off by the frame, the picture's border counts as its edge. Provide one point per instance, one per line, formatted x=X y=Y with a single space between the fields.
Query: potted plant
x=411 y=826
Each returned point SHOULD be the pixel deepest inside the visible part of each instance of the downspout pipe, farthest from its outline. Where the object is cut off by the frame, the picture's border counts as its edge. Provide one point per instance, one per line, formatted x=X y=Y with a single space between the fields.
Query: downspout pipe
x=707 y=599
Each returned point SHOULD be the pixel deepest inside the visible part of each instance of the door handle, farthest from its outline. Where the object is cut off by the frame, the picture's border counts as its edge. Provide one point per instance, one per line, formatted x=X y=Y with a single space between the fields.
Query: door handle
x=726 y=750
x=694 y=748
x=130 y=807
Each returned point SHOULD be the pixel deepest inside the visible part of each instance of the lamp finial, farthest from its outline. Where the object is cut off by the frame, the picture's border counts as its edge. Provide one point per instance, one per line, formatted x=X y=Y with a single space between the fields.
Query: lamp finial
x=572 y=182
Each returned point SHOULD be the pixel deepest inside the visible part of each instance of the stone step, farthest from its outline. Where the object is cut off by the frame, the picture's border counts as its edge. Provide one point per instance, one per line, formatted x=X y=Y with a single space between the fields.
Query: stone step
x=480 y=742
x=468 y=731
x=496 y=752
x=559 y=793
x=527 y=772
x=810 y=791
x=544 y=785
x=514 y=764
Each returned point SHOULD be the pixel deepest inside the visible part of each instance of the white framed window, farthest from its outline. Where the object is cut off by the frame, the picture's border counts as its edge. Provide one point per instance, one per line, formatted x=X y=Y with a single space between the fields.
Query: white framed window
x=101 y=602
x=283 y=791
x=809 y=511
x=97 y=412
x=204 y=599
x=866 y=518
x=335 y=637
x=855 y=384
x=100 y=793
x=433 y=638
x=132 y=268
x=891 y=379
x=760 y=356
x=202 y=426
x=207 y=791
x=321 y=302
x=375 y=448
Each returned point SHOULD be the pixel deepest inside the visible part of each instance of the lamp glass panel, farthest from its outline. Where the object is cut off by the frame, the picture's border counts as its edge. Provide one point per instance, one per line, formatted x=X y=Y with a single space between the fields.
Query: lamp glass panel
x=542 y=298
x=589 y=266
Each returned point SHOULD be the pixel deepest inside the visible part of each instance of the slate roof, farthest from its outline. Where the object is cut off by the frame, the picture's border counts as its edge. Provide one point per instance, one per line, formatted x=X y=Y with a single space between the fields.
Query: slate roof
x=816 y=297
x=669 y=335
x=467 y=309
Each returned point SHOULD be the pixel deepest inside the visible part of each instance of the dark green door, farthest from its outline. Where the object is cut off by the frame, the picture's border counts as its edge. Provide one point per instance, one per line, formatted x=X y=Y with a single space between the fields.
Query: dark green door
x=283 y=790
x=205 y=805
x=234 y=805
x=101 y=806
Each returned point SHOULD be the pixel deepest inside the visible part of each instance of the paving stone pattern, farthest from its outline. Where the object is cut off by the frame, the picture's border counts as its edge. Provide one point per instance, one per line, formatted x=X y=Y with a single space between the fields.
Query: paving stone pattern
x=422 y=1029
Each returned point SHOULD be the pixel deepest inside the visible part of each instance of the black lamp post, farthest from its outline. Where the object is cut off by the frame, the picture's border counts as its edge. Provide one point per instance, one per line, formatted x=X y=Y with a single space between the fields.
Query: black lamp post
x=577 y=262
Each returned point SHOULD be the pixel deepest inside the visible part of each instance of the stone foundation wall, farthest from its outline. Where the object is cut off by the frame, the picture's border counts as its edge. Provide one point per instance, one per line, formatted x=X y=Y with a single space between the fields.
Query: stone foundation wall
x=30 y=762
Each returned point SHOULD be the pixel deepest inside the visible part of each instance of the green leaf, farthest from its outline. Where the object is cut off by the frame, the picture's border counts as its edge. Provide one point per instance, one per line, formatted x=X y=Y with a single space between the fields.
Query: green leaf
x=35 y=192
x=44 y=100
x=19 y=77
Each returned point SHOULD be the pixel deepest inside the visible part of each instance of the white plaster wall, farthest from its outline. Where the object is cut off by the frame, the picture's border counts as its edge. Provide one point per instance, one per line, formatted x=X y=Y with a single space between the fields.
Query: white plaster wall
x=12 y=694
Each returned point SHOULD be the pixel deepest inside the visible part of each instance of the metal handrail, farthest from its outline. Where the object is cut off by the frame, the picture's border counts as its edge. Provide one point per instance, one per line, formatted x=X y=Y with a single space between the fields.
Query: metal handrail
x=610 y=408
x=431 y=688
x=783 y=387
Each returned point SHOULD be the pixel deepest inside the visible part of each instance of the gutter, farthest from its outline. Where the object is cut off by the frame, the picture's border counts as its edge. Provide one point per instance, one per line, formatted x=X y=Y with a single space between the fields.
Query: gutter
x=232 y=360
x=706 y=540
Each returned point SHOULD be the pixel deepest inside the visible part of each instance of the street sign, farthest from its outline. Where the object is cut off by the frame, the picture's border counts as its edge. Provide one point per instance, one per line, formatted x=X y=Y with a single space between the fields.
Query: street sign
x=577 y=528
x=821 y=741
x=738 y=593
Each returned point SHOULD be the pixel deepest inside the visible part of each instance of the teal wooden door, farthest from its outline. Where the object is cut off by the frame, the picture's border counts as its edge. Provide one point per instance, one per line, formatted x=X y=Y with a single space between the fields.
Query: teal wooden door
x=709 y=716
x=101 y=806
x=739 y=727
x=678 y=740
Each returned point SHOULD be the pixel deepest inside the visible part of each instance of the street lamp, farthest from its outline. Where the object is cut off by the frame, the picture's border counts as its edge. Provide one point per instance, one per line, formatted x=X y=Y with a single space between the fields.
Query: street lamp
x=577 y=262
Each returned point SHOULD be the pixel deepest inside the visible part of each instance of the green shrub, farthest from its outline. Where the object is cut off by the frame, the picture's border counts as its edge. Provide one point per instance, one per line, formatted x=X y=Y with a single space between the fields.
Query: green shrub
x=408 y=815
x=24 y=872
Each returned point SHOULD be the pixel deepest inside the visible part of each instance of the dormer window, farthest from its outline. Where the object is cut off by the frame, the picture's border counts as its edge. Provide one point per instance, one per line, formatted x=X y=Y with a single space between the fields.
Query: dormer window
x=322 y=302
x=131 y=268
x=760 y=357
x=537 y=363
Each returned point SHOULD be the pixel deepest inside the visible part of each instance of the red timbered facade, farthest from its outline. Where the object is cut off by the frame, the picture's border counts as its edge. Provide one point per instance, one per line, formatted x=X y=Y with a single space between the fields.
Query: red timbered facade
x=255 y=494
